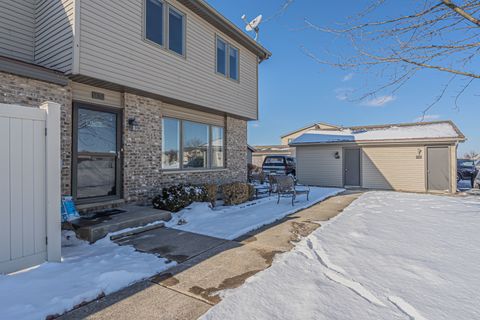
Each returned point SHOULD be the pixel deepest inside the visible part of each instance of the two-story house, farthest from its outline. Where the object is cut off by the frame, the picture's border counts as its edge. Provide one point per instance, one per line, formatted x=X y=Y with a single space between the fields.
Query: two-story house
x=153 y=92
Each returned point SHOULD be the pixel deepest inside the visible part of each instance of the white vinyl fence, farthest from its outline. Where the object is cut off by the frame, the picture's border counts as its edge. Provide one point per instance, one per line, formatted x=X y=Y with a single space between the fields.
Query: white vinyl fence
x=29 y=186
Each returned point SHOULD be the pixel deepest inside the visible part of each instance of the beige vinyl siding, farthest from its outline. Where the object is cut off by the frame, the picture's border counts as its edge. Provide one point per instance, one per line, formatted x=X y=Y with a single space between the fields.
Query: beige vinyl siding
x=54 y=34
x=172 y=111
x=395 y=168
x=316 y=165
x=82 y=92
x=17 y=29
x=112 y=49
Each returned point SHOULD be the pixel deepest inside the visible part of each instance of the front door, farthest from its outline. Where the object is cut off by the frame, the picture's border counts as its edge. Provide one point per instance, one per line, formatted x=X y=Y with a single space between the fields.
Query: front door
x=96 y=153
x=438 y=173
x=352 y=167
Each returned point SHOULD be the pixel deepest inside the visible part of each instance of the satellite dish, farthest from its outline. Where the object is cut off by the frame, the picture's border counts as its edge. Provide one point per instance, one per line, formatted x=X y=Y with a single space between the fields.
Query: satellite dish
x=253 y=25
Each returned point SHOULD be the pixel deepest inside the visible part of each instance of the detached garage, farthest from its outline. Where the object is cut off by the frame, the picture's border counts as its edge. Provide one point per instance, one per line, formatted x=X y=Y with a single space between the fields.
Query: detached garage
x=418 y=157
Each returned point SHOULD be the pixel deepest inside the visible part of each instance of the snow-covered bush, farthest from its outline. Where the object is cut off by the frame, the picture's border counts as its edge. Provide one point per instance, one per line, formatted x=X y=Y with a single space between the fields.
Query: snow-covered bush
x=237 y=193
x=177 y=197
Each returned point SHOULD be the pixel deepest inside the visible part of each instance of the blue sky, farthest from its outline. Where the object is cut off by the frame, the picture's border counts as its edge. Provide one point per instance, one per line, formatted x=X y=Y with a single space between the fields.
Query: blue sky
x=296 y=91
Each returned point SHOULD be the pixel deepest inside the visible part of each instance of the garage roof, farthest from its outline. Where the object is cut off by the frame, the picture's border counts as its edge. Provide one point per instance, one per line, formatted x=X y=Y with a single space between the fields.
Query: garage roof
x=438 y=130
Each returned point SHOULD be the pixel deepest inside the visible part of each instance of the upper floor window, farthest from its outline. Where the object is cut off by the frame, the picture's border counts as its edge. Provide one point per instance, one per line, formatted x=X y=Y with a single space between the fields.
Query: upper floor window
x=221 y=57
x=154 y=21
x=227 y=59
x=165 y=26
x=176 y=31
x=233 y=62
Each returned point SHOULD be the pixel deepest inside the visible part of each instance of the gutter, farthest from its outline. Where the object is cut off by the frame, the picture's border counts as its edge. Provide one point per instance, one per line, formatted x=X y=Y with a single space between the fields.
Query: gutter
x=32 y=71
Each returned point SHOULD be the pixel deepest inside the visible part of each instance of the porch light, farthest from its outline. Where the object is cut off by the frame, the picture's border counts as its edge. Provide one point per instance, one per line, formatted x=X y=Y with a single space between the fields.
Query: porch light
x=133 y=124
x=336 y=155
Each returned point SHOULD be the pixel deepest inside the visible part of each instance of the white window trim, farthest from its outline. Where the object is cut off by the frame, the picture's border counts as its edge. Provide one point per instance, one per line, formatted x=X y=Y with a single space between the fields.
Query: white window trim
x=209 y=151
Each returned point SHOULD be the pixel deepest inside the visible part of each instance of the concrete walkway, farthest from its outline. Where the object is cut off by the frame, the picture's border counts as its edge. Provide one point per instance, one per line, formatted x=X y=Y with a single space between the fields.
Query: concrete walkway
x=188 y=290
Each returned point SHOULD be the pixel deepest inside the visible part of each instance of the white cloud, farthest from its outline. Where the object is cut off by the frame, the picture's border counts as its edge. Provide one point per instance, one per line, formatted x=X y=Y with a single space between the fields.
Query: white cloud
x=343 y=94
x=348 y=77
x=255 y=125
x=427 y=117
x=379 y=101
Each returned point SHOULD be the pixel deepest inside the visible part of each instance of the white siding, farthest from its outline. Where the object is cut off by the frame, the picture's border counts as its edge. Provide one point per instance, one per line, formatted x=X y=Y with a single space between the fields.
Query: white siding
x=394 y=168
x=316 y=165
x=17 y=29
x=22 y=188
x=112 y=49
x=54 y=34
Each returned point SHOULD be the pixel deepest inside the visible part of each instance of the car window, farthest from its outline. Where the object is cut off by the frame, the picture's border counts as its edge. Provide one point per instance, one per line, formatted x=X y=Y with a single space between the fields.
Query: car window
x=466 y=163
x=274 y=161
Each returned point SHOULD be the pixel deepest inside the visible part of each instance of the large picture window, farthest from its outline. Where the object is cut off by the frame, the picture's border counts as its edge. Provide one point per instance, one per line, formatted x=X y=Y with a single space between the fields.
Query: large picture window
x=191 y=145
x=170 y=144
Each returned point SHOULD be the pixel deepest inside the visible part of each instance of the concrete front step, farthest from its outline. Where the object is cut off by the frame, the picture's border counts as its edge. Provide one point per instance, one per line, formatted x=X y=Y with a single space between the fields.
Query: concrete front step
x=133 y=217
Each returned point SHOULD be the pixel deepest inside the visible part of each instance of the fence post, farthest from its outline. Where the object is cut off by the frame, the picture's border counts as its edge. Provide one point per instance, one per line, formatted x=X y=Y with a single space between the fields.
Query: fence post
x=53 y=181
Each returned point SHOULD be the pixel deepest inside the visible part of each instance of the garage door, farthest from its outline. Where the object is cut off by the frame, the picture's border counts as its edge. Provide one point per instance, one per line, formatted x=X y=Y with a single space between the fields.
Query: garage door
x=25 y=210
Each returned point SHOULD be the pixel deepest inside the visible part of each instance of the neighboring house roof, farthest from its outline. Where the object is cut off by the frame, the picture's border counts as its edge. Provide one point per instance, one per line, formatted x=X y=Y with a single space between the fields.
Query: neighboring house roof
x=212 y=16
x=252 y=149
x=272 y=150
x=438 y=130
x=313 y=126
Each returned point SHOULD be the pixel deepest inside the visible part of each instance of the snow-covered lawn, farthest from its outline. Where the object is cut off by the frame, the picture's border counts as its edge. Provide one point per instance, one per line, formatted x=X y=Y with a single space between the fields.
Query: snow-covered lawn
x=232 y=222
x=387 y=256
x=87 y=271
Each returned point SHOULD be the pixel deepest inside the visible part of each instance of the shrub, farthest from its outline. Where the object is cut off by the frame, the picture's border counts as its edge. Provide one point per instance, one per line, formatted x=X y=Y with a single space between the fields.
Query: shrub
x=255 y=174
x=177 y=197
x=237 y=193
x=211 y=193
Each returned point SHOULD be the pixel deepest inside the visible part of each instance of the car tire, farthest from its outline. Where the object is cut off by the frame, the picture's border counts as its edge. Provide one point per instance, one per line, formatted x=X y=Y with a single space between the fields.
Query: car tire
x=459 y=177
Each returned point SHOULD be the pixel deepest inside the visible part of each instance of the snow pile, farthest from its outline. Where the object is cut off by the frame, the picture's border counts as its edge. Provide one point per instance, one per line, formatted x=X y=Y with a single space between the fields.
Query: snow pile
x=86 y=272
x=232 y=222
x=421 y=131
x=387 y=256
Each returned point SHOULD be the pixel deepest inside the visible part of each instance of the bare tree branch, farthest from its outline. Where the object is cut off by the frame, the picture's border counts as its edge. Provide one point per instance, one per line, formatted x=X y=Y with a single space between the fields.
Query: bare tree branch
x=437 y=35
x=461 y=12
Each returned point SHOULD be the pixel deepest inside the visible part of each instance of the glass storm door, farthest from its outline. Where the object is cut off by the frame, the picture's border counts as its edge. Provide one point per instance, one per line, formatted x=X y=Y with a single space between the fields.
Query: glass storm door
x=96 y=156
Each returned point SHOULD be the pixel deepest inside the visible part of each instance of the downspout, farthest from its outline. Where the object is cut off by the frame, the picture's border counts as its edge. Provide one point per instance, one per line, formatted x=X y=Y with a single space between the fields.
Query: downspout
x=76 y=38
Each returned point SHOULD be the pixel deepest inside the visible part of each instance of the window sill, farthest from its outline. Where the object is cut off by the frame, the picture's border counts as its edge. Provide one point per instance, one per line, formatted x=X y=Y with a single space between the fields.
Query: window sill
x=193 y=171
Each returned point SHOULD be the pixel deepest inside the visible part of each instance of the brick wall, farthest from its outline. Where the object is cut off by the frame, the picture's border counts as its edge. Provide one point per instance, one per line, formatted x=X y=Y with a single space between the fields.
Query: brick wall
x=142 y=174
x=143 y=177
x=32 y=93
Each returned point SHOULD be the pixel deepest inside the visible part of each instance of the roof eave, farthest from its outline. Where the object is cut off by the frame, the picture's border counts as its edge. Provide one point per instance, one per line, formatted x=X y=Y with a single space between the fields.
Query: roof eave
x=212 y=16
x=385 y=141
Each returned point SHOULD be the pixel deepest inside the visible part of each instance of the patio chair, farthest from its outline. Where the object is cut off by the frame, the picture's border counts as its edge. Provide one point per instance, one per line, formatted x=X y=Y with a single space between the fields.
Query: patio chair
x=286 y=187
x=272 y=182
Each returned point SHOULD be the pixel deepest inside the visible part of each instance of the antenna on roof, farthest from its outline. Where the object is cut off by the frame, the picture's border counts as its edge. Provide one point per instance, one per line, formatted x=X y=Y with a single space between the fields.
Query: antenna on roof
x=253 y=25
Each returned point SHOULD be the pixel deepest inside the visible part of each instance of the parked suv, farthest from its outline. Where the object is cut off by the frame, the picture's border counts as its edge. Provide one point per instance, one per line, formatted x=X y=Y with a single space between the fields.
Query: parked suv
x=466 y=170
x=279 y=165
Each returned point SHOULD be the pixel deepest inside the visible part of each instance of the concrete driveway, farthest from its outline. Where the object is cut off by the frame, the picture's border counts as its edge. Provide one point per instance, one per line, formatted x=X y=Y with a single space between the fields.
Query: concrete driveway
x=189 y=289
